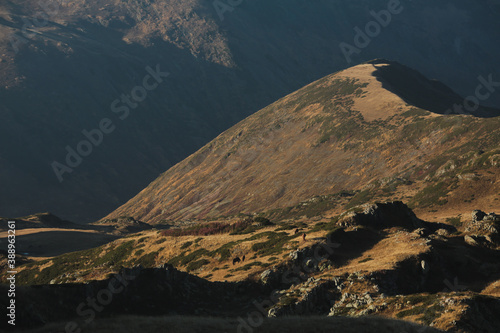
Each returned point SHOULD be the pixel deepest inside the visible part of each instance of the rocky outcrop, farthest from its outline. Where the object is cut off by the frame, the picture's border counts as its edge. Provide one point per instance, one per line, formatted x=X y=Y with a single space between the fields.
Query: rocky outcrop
x=480 y=216
x=351 y=303
x=483 y=229
x=152 y=291
x=313 y=296
x=300 y=264
x=383 y=215
x=480 y=315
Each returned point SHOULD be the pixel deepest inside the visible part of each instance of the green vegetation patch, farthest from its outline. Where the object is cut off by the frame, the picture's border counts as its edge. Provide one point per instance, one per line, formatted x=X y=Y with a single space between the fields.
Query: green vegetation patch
x=183 y=259
x=250 y=265
x=273 y=245
x=117 y=256
x=326 y=226
x=433 y=194
x=186 y=245
x=148 y=260
x=361 y=198
x=224 y=251
x=454 y=221
x=194 y=265
x=161 y=240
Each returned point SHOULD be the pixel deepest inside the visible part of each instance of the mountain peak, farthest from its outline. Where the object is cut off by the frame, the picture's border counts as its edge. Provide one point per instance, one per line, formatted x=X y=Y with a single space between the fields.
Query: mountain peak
x=350 y=127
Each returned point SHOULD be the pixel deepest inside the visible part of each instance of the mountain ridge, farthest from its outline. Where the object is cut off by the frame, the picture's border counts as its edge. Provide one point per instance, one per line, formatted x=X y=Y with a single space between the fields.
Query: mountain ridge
x=329 y=126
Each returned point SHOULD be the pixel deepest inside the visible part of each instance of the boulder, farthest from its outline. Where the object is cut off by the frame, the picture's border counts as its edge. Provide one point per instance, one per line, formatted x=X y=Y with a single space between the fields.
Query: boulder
x=422 y=232
x=477 y=215
x=384 y=215
x=442 y=232
x=471 y=240
x=492 y=217
x=266 y=276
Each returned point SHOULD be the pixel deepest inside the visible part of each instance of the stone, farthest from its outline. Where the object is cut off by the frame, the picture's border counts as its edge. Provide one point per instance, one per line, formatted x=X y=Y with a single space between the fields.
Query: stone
x=470 y=240
x=477 y=215
x=310 y=263
x=492 y=217
x=265 y=276
x=422 y=232
x=272 y=313
x=294 y=255
x=442 y=232
x=425 y=266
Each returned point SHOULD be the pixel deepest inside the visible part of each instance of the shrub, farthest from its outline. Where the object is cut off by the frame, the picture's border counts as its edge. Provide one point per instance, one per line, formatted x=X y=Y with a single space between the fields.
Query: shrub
x=159 y=241
x=183 y=259
x=186 y=245
x=148 y=260
x=207 y=229
x=243 y=227
x=262 y=221
x=224 y=251
x=274 y=244
x=117 y=255
x=361 y=198
x=250 y=265
x=454 y=221
x=194 y=265
x=332 y=225
x=431 y=195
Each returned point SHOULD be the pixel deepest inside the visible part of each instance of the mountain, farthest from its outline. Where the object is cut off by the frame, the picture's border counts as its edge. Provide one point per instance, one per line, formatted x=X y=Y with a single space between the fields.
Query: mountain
x=376 y=130
x=63 y=65
x=299 y=212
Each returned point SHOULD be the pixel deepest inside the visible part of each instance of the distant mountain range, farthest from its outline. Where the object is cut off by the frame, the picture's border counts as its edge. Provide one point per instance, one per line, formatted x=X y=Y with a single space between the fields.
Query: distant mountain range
x=67 y=67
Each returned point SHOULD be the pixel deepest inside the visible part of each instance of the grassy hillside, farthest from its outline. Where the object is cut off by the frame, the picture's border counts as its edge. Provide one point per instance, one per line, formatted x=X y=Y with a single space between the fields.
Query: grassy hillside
x=378 y=260
x=346 y=132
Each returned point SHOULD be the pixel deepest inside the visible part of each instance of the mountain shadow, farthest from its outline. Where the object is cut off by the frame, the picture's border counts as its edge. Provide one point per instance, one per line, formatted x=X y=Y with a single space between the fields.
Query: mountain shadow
x=417 y=90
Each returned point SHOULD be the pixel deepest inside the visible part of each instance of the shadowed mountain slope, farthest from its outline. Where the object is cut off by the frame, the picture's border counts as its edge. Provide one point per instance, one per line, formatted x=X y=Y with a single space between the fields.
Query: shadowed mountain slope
x=61 y=76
